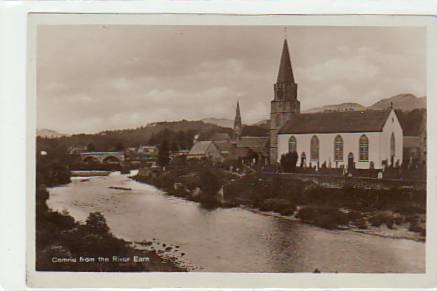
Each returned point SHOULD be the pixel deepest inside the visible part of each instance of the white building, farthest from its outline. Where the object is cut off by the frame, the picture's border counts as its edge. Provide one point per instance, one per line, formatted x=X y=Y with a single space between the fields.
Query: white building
x=360 y=139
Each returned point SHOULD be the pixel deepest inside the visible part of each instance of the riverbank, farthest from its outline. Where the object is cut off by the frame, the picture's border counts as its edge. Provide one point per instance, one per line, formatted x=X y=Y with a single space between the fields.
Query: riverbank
x=64 y=244
x=396 y=213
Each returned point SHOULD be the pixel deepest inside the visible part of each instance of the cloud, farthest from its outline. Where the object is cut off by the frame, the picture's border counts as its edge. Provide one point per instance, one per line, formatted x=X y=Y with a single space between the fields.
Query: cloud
x=92 y=78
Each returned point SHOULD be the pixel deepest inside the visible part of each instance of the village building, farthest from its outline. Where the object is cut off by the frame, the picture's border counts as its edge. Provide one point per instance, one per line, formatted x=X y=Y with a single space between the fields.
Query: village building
x=353 y=139
x=205 y=150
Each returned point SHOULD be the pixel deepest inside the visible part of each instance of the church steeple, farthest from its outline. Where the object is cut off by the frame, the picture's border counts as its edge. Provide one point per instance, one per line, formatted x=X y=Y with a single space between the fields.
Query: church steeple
x=284 y=103
x=237 y=123
x=285 y=73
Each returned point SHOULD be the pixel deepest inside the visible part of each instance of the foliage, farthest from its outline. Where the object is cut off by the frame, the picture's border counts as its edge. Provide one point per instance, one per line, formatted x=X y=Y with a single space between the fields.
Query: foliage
x=288 y=162
x=96 y=222
x=164 y=154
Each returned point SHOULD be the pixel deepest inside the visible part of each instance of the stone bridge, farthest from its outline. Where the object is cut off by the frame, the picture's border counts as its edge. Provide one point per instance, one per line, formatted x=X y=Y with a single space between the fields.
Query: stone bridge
x=102 y=157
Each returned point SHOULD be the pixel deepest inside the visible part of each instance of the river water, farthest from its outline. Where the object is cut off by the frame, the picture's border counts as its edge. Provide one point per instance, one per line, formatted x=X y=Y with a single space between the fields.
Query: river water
x=232 y=240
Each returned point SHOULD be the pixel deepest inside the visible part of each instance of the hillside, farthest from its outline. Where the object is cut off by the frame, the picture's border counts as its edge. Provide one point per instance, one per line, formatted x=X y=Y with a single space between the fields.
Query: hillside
x=48 y=133
x=222 y=122
x=337 y=107
x=405 y=102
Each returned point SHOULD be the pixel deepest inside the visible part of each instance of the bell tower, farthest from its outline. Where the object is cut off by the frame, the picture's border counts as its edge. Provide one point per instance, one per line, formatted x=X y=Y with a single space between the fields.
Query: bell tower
x=284 y=103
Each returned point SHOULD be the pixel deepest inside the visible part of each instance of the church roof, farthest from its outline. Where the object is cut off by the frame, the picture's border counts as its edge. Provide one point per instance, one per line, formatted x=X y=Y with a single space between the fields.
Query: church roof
x=285 y=73
x=333 y=122
x=252 y=142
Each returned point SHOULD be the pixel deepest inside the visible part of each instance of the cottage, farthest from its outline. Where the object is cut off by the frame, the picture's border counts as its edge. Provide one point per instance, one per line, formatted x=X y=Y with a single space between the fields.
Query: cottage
x=205 y=150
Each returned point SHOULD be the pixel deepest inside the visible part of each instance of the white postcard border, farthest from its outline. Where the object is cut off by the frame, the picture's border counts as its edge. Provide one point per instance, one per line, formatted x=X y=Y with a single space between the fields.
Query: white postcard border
x=233 y=280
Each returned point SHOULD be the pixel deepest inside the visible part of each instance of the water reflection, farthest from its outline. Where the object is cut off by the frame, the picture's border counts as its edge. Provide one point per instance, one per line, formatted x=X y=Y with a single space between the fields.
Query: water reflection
x=232 y=240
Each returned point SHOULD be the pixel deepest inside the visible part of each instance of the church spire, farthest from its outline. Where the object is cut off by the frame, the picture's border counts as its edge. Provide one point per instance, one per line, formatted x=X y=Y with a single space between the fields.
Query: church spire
x=285 y=73
x=237 y=122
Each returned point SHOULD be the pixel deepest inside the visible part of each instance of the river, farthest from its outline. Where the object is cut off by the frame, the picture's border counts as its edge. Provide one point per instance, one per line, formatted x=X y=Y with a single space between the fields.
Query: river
x=232 y=240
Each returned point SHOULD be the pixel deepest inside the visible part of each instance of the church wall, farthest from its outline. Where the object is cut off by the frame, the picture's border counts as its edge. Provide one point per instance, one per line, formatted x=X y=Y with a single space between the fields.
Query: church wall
x=326 y=148
x=392 y=125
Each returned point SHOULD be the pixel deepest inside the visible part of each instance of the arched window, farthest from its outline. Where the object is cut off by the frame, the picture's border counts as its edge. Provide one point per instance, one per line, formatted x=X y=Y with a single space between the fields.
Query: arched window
x=314 y=148
x=364 y=148
x=292 y=144
x=338 y=148
x=392 y=145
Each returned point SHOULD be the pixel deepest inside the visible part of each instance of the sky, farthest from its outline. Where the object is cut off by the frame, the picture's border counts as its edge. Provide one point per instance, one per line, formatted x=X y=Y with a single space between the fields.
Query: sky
x=92 y=78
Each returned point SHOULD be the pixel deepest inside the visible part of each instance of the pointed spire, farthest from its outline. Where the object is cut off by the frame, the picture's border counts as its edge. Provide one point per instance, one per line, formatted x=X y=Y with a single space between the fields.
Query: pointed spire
x=285 y=71
x=237 y=123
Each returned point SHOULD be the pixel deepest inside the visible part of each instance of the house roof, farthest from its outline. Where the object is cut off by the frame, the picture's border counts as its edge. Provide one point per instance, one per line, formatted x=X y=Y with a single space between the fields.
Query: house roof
x=333 y=122
x=224 y=146
x=253 y=142
x=200 y=147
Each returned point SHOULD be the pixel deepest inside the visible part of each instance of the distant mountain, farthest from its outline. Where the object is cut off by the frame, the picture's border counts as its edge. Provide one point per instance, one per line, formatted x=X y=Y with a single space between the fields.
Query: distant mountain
x=337 y=107
x=222 y=122
x=265 y=123
x=406 y=102
x=48 y=133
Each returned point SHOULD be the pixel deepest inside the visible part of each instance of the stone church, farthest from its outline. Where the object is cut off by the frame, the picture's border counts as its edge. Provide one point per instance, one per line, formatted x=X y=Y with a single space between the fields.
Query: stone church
x=358 y=139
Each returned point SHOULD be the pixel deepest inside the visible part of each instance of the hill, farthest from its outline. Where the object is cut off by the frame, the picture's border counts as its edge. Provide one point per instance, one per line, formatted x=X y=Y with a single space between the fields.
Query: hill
x=405 y=102
x=337 y=107
x=222 y=122
x=48 y=133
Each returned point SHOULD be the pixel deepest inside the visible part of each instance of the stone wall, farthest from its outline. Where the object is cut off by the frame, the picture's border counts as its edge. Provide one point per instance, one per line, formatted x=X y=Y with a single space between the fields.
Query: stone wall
x=357 y=182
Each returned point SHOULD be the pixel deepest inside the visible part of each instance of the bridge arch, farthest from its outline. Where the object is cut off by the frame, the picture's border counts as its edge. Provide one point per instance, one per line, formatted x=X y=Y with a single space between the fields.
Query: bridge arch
x=91 y=160
x=111 y=160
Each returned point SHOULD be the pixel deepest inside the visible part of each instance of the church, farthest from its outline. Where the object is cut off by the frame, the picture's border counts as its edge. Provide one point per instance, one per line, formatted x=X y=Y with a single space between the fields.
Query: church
x=370 y=139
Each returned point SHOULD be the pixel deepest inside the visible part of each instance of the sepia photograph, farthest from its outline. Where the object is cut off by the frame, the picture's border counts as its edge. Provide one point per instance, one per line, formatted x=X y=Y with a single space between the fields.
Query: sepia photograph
x=230 y=148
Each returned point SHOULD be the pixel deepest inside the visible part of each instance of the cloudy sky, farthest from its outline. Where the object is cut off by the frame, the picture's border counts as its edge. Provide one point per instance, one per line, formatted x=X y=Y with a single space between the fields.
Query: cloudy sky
x=94 y=78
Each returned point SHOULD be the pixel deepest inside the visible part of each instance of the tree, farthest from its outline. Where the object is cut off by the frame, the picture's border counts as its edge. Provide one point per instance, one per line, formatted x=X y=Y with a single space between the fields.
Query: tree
x=97 y=223
x=209 y=183
x=91 y=147
x=288 y=161
x=163 y=154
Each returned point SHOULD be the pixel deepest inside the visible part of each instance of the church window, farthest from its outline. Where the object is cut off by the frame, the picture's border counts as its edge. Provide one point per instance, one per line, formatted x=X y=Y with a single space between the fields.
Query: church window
x=292 y=144
x=364 y=148
x=392 y=145
x=338 y=148
x=314 y=148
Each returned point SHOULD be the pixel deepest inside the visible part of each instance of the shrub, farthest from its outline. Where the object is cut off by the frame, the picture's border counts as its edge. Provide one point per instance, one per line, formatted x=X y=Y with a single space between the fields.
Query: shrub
x=288 y=162
x=282 y=206
x=306 y=213
x=361 y=223
x=382 y=218
x=96 y=222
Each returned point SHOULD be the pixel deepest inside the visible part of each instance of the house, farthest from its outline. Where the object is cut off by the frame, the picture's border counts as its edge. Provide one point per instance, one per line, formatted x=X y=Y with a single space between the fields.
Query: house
x=205 y=150
x=357 y=139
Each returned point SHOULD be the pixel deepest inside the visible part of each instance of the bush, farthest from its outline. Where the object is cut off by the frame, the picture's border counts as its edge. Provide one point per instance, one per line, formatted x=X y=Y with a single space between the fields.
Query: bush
x=288 y=162
x=324 y=217
x=382 y=218
x=306 y=214
x=361 y=223
x=96 y=222
x=282 y=206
